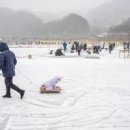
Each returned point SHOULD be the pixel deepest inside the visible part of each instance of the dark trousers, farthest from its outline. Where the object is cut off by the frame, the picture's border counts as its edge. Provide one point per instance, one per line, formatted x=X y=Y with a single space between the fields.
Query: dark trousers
x=9 y=84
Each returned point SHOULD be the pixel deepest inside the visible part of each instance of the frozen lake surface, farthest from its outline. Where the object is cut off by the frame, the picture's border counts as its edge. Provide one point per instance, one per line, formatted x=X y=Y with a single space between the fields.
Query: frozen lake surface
x=95 y=95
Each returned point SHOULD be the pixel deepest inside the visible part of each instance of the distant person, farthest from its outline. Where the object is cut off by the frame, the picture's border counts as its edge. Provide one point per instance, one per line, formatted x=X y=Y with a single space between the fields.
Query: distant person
x=51 y=84
x=113 y=44
x=103 y=46
x=65 y=46
x=85 y=46
x=128 y=45
x=51 y=52
x=59 y=52
x=95 y=49
x=7 y=65
x=79 y=49
x=125 y=45
x=73 y=47
x=110 y=48
x=76 y=45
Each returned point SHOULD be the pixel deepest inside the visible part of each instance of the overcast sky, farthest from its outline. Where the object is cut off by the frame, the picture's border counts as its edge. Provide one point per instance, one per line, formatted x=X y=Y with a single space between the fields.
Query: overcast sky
x=54 y=6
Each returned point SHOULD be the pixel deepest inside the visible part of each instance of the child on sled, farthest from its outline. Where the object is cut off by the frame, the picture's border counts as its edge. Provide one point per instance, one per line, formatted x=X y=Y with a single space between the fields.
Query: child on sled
x=50 y=85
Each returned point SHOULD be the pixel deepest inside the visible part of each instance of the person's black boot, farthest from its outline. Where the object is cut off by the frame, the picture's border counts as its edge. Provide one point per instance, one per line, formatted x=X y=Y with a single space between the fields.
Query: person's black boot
x=22 y=93
x=7 y=96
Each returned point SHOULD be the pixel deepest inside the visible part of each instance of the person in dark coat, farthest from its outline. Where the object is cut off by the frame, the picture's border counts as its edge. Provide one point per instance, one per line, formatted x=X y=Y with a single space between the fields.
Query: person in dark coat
x=76 y=45
x=85 y=46
x=110 y=48
x=73 y=47
x=79 y=49
x=7 y=65
x=58 y=52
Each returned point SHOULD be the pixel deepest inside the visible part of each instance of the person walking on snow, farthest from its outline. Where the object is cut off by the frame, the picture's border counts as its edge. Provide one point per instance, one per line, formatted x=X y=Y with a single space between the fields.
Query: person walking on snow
x=7 y=65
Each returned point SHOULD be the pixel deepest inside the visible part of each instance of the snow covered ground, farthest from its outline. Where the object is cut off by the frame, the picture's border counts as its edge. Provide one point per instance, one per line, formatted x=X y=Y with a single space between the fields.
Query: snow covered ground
x=95 y=95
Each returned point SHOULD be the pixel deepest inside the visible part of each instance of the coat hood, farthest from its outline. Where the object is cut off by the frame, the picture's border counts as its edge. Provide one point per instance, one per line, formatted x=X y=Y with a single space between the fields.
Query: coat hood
x=3 y=46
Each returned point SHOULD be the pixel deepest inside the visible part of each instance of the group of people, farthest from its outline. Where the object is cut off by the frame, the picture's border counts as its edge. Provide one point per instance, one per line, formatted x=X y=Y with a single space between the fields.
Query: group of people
x=78 y=47
x=75 y=46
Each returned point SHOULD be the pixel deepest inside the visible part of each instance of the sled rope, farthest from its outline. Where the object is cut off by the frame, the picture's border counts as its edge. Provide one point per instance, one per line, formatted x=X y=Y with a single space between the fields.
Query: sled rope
x=26 y=77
